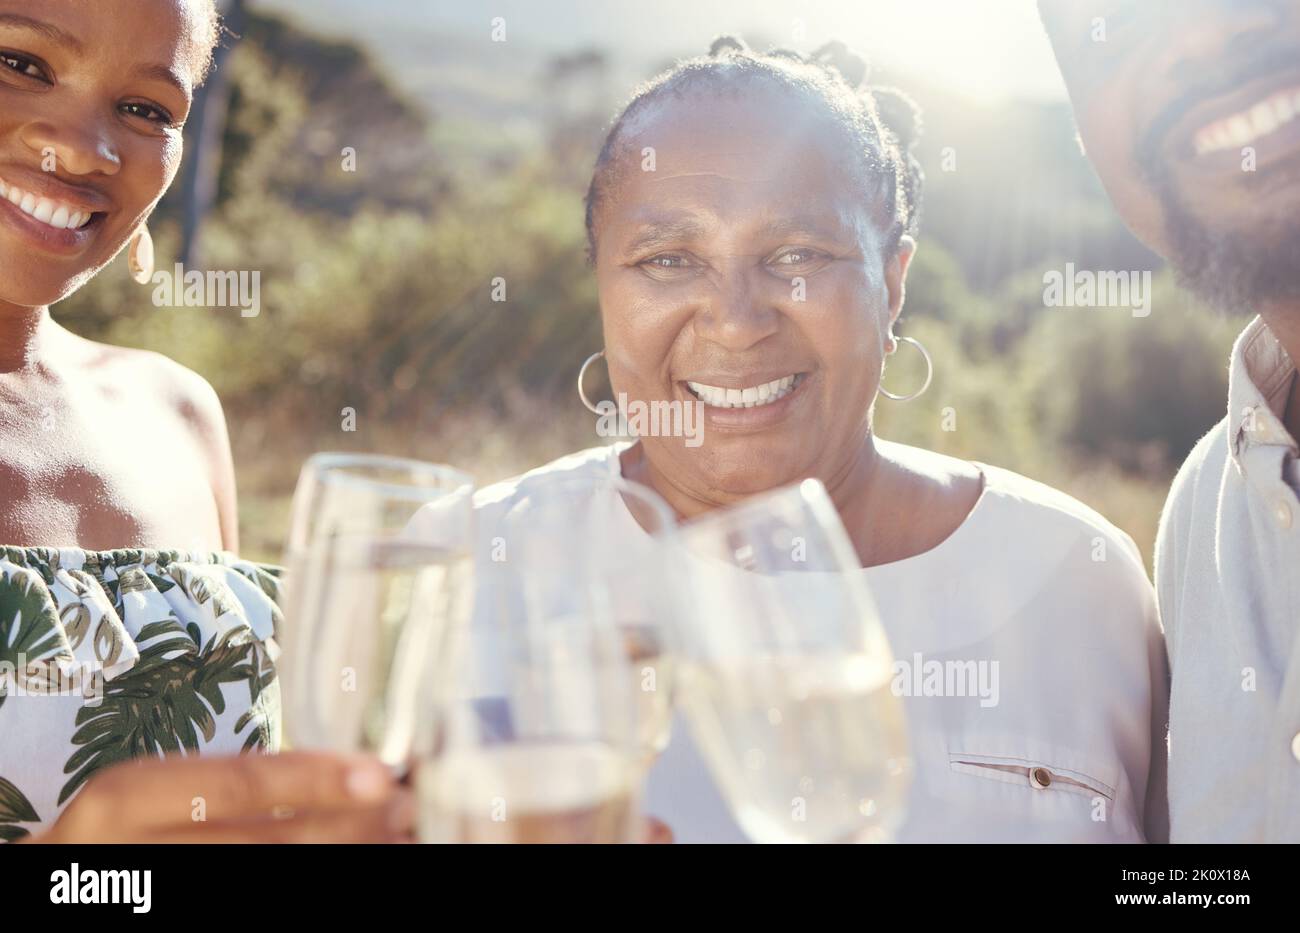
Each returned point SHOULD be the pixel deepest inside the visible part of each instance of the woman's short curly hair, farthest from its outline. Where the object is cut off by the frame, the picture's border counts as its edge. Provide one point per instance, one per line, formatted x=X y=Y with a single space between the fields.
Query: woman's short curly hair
x=882 y=123
x=207 y=36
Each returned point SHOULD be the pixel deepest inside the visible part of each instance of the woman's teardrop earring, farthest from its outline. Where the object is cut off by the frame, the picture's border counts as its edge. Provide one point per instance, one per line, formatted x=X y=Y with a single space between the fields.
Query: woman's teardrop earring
x=139 y=256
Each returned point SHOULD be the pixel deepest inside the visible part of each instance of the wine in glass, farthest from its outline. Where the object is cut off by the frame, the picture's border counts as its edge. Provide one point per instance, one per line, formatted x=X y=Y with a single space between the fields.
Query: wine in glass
x=558 y=695
x=786 y=672
x=378 y=564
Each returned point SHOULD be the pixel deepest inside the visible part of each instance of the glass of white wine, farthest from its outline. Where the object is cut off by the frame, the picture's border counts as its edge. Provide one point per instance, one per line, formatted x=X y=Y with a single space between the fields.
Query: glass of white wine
x=558 y=696
x=786 y=671
x=378 y=564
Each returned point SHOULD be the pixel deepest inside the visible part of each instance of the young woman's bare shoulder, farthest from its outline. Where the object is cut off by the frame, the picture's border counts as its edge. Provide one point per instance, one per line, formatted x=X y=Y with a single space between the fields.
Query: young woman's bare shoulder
x=154 y=385
x=152 y=379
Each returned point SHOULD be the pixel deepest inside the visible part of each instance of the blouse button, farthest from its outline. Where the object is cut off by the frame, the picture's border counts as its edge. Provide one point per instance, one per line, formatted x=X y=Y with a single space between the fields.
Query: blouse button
x=1041 y=777
x=1283 y=513
x=1295 y=746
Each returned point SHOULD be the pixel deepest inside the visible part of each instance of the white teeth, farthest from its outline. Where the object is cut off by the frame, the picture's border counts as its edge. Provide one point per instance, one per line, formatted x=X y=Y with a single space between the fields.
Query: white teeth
x=1259 y=120
x=1239 y=131
x=52 y=213
x=1261 y=116
x=752 y=397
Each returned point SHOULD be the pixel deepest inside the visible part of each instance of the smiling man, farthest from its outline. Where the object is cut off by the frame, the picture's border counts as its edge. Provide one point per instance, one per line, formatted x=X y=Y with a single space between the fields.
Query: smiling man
x=1190 y=113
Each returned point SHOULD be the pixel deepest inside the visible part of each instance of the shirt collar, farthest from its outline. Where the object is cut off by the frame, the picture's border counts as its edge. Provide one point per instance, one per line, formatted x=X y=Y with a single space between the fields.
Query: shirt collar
x=1259 y=381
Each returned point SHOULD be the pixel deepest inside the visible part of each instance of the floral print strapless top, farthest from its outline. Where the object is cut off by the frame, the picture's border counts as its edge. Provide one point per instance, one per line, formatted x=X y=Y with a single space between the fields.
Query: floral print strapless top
x=107 y=656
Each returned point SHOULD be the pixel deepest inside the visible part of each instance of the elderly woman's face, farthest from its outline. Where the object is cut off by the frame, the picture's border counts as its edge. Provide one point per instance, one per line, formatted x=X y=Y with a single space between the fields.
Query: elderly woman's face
x=747 y=259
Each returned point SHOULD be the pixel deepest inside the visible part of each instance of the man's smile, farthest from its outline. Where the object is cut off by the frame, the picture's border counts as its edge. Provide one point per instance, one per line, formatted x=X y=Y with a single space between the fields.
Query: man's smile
x=1246 y=126
x=1243 y=127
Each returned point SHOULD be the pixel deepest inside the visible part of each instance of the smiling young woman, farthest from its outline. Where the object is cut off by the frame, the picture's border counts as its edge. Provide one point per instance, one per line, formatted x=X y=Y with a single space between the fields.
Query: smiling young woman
x=751 y=220
x=118 y=579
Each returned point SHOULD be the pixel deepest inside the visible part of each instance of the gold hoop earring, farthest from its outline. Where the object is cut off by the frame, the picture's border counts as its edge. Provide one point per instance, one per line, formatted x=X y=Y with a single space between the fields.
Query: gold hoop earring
x=582 y=373
x=929 y=372
x=139 y=256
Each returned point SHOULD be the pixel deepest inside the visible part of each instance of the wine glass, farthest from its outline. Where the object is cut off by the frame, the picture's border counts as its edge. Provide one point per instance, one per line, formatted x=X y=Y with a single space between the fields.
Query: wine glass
x=785 y=674
x=378 y=561
x=558 y=695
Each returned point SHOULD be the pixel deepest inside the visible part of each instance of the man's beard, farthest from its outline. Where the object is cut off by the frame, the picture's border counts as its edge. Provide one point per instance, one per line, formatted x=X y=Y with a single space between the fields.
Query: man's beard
x=1233 y=271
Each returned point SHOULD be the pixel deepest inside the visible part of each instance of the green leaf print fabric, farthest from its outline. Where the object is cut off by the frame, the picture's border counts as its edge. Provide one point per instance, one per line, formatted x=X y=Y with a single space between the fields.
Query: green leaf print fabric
x=107 y=656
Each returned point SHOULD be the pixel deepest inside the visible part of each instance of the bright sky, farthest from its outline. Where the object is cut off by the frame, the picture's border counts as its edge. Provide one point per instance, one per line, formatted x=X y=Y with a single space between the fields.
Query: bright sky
x=988 y=48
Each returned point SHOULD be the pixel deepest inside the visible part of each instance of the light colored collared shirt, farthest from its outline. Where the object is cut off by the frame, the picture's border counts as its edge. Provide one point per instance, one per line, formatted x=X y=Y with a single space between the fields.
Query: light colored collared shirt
x=1228 y=584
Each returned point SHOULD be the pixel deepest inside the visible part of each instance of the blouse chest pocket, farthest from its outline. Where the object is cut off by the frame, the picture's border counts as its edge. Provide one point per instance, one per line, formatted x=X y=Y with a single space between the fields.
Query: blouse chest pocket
x=1046 y=774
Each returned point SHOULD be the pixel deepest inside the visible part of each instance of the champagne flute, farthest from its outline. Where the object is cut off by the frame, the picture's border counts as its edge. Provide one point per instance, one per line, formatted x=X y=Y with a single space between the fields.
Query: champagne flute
x=786 y=672
x=558 y=695
x=378 y=564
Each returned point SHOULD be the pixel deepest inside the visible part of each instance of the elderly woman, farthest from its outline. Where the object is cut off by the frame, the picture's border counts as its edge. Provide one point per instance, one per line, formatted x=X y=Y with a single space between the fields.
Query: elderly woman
x=128 y=627
x=751 y=222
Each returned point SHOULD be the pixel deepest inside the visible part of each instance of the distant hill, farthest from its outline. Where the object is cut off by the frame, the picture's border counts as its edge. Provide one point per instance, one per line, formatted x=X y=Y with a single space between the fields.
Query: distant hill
x=1019 y=172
